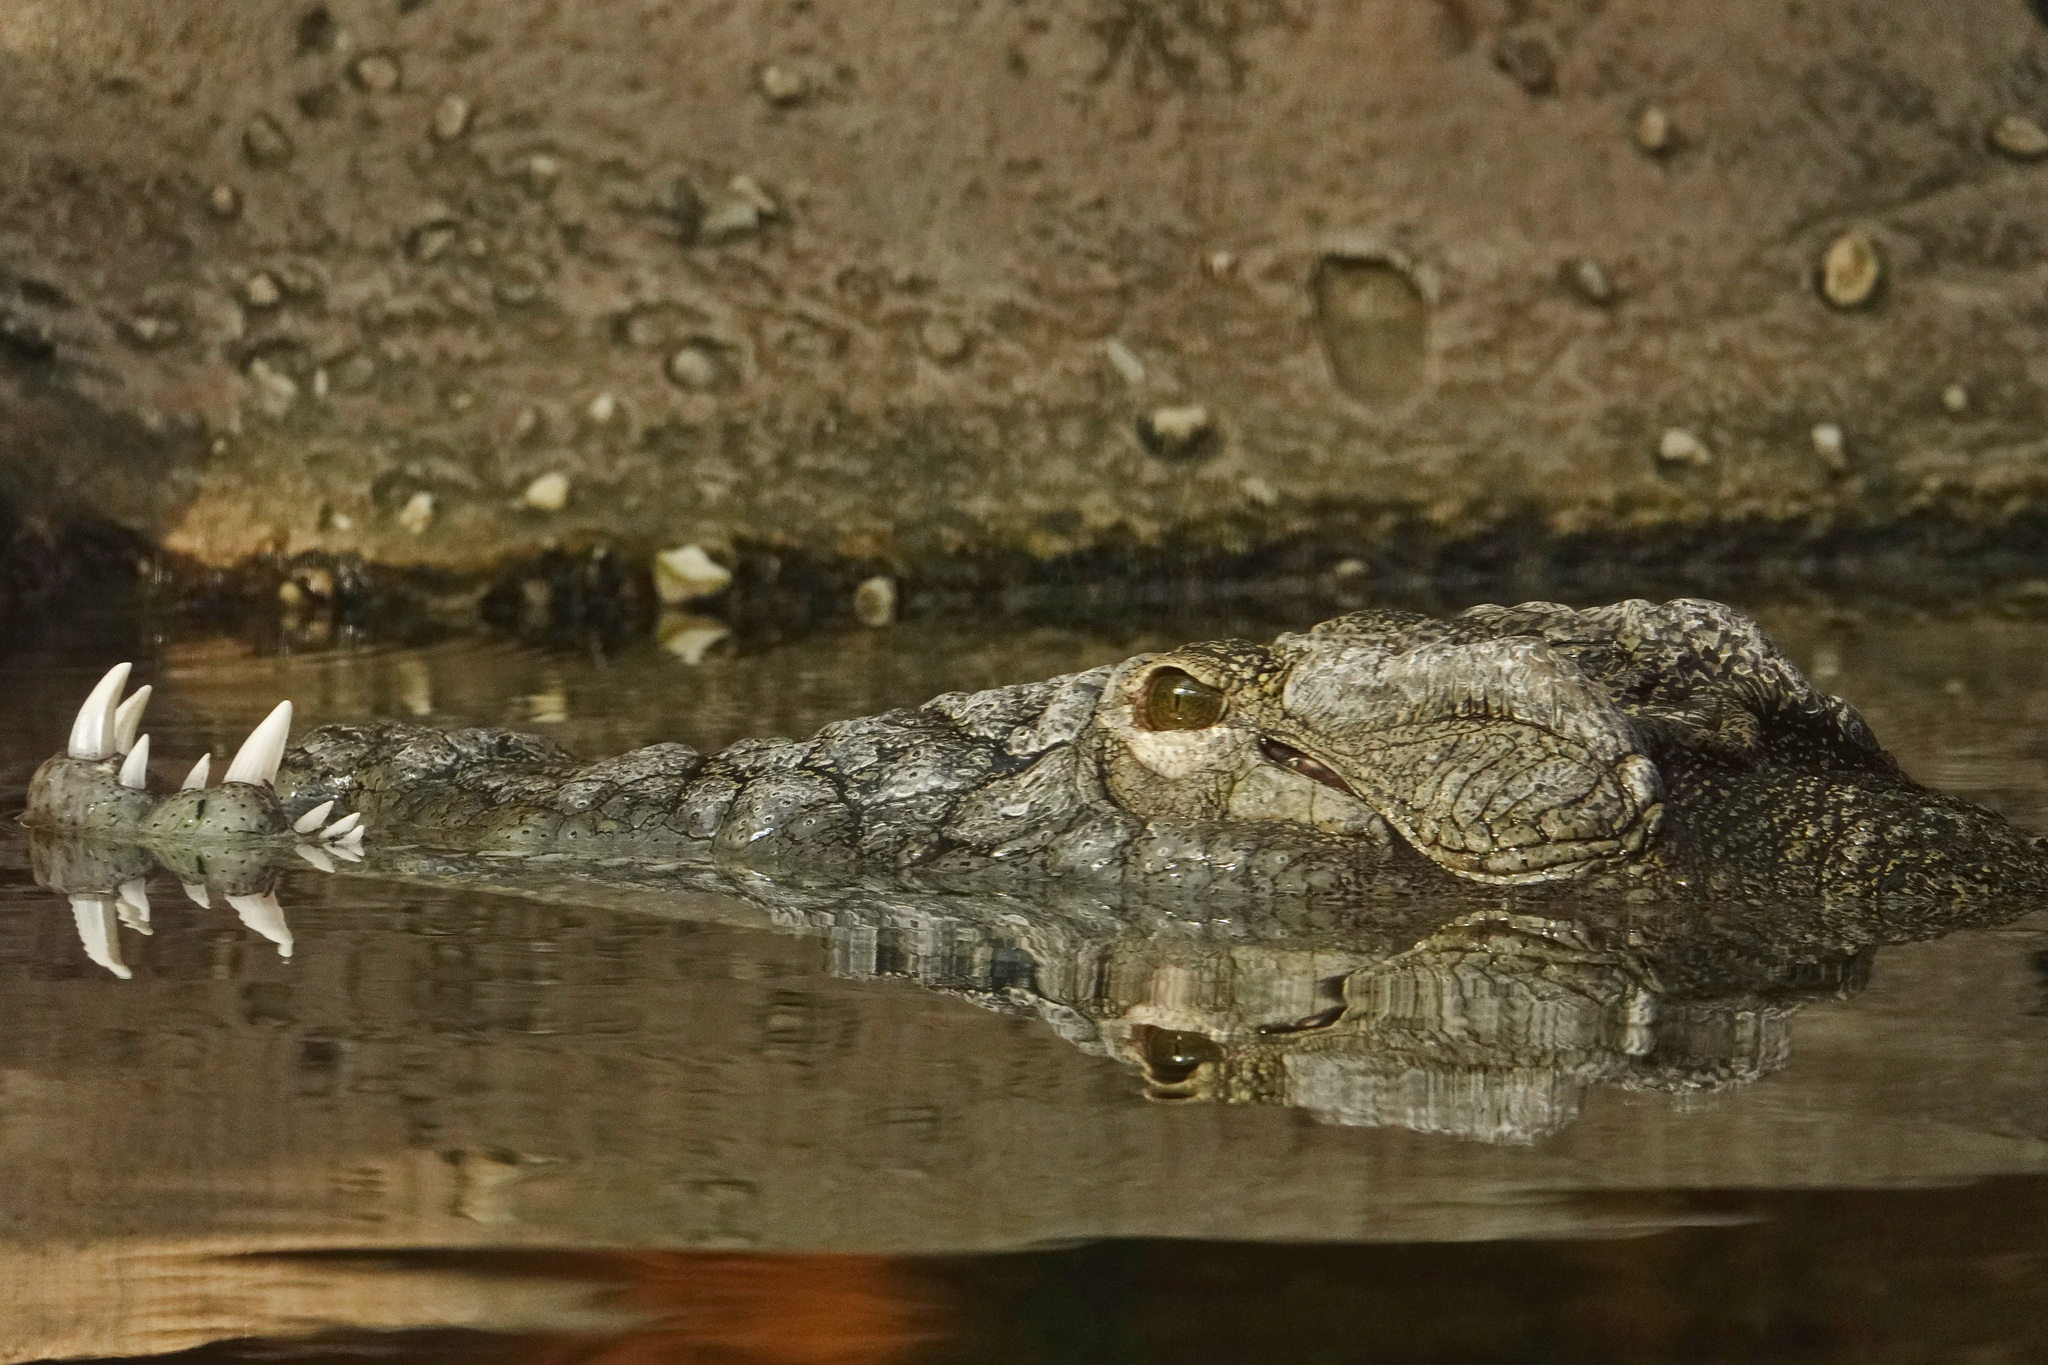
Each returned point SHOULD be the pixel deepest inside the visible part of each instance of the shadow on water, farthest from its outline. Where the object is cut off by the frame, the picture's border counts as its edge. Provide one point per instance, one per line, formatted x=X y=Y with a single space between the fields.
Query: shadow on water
x=847 y=1124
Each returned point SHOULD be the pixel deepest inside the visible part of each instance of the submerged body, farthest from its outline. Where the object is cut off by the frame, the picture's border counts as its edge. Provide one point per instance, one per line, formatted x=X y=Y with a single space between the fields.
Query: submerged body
x=1649 y=749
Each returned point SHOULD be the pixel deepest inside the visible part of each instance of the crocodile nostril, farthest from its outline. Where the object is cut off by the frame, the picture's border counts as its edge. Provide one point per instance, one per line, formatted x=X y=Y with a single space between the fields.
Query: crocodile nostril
x=1294 y=760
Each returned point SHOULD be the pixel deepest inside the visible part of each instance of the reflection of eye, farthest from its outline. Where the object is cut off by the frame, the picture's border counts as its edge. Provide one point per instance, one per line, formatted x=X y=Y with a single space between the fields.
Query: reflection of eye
x=1172 y=1056
x=1176 y=701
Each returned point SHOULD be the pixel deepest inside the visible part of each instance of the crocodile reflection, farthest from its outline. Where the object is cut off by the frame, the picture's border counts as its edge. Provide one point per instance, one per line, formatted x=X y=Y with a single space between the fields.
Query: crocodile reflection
x=1489 y=1018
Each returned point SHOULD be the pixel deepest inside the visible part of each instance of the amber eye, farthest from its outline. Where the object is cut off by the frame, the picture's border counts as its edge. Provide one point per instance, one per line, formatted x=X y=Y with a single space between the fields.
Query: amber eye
x=1175 y=701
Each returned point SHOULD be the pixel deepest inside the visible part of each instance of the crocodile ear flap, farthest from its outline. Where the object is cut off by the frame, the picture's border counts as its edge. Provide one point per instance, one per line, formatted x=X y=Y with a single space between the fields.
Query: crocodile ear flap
x=1497 y=759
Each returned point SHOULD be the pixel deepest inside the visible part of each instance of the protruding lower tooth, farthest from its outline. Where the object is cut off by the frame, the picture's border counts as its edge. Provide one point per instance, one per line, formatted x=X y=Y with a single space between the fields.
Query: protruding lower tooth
x=310 y=821
x=264 y=915
x=196 y=893
x=134 y=905
x=342 y=827
x=128 y=718
x=256 y=761
x=98 y=931
x=201 y=770
x=352 y=840
x=92 y=733
x=314 y=856
x=135 y=767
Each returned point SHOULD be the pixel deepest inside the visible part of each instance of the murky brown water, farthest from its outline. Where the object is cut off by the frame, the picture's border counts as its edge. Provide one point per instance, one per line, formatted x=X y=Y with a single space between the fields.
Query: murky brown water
x=681 y=1125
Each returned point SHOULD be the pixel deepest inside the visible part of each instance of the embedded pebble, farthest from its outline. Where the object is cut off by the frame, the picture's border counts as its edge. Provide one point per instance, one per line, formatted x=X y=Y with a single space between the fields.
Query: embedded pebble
x=526 y=423
x=2019 y=137
x=749 y=189
x=1181 y=433
x=428 y=241
x=1125 y=360
x=693 y=367
x=1831 y=446
x=265 y=143
x=548 y=493
x=149 y=330
x=540 y=172
x=377 y=72
x=603 y=408
x=418 y=513
x=451 y=118
x=1679 y=446
x=225 y=201
x=1221 y=264
x=1589 y=281
x=276 y=391
x=1257 y=490
x=942 y=339
x=687 y=574
x=1955 y=398
x=729 y=219
x=1850 y=270
x=874 y=601
x=1653 y=130
x=783 y=86
x=689 y=637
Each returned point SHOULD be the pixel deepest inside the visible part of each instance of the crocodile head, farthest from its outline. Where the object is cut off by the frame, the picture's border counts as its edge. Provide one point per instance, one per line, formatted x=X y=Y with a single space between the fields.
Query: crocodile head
x=1495 y=758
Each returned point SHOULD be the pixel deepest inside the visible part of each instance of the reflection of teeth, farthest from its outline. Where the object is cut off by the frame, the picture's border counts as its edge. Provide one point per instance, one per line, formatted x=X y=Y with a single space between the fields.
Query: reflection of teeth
x=201 y=770
x=343 y=827
x=346 y=851
x=134 y=906
x=256 y=762
x=92 y=733
x=97 y=931
x=310 y=821
x=196 y=893
x=264 y=915
x=353 y=840
x=314 y=856
x=128 y=718
x=135 y=767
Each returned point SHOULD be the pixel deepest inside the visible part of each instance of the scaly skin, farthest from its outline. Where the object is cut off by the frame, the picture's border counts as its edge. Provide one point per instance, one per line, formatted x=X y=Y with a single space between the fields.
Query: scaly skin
x=1654 y=750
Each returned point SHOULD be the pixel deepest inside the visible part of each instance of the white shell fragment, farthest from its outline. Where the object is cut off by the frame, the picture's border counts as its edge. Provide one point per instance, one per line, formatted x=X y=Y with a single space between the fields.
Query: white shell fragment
x=256 y=762
x=312 y=819
x=201 y=770
x=128 y=718
x=135 y=767
x=92 y=733
x=1678 y=446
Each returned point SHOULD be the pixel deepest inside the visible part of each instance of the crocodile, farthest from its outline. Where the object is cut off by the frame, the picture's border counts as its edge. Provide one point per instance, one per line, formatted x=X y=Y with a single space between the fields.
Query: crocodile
x=1646 y=750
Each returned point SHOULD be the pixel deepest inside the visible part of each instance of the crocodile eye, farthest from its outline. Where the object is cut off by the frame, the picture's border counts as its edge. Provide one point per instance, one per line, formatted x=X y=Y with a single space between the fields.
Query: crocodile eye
x=1172 y=1056
x=1176 y=701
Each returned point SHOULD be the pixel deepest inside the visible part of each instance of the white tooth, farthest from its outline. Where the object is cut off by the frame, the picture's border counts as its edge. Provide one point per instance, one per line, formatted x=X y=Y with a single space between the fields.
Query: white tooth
x=135 y=767
x=314 y=856
x=134 y=906
x=264 y=915
x=340 y=828
x=196 y=893
x=256 y=762
x=310 y=821
x=92 y=733
x=97 y=931
x=196 y=779
x=353 y=840
x=128 y=718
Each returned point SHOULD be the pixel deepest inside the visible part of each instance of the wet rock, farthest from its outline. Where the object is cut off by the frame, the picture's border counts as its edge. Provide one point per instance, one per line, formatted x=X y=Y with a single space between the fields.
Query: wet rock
x=265 y=144
x=1179 y=435
x=1125 y=361
x=1956 y=399
x=451 y=118
x=688 y=574
x=1526 y=59
x=1653 y=131
x=224 y=202
x=1681 y=448
x=1851 y=270
x=548 y=493
x=377 y=73
x=1831 y=446
x=1588 y=280
x=2019 y=137
x=151 y=331
x=418 y=513
x=275 y=391
x=262 y=290
x=781 y=85
x=942 y=340
x=874 y=601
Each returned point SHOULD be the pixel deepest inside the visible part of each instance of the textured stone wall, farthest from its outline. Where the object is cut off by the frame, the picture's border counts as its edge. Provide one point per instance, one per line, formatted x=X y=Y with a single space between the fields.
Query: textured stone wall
x=444 y=282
